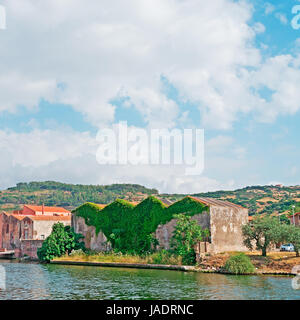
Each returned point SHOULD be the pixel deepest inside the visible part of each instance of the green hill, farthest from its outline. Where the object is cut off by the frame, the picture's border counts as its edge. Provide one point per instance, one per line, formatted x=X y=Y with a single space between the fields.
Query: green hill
x=259 y=199
x=70 y=196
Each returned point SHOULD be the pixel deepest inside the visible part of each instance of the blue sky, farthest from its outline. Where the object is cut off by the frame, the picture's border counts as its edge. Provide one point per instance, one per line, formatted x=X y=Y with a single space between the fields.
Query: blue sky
x=231 y=69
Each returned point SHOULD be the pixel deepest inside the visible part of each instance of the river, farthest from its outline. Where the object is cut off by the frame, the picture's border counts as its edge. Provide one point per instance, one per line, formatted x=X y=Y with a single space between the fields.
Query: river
x=32 y=281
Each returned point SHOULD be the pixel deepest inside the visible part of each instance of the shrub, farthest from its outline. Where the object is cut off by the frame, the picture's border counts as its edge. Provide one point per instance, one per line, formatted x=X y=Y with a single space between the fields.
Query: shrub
x=62 y=240
x=239 y=264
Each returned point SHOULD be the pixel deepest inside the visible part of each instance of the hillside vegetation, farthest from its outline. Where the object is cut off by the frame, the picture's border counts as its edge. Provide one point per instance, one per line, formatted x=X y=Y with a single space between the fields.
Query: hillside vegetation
x=259 y=199
x=69 y=196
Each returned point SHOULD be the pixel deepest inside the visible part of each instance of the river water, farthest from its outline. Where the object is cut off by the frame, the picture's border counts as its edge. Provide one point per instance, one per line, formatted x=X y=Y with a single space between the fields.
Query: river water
x=55 y=282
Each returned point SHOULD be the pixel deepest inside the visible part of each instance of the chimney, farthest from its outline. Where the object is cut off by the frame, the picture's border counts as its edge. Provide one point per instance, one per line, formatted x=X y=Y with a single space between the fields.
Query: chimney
x=43 y=210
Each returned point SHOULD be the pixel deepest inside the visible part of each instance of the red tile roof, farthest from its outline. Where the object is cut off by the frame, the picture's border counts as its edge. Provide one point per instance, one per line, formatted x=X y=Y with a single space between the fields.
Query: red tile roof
x=47 y=209
x=18 y=216
x=39 y=218
x=296 y=214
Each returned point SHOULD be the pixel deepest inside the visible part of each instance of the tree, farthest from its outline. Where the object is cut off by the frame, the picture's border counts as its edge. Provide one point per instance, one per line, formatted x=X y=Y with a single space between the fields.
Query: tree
x=186 y=234
x=263 y=231
x=291 y=234
x=62 y=240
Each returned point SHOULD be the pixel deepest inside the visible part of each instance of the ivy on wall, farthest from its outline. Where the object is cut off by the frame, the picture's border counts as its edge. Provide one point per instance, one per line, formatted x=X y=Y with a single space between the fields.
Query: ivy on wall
x=130 y=227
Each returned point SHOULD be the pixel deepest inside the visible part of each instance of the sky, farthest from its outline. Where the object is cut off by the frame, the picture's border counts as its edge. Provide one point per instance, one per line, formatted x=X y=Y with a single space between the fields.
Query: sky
x=71 y=67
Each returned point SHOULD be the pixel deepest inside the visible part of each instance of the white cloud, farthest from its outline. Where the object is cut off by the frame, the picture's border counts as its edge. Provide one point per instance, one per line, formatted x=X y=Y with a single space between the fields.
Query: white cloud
x=68 y=156
x=259 y=27
x=281 y=17
x=281 y=75
x=101 y=49
x=269 y=8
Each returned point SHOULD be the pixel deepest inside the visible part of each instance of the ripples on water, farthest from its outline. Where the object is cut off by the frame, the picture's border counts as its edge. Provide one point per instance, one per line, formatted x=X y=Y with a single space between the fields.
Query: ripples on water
x=36 y=281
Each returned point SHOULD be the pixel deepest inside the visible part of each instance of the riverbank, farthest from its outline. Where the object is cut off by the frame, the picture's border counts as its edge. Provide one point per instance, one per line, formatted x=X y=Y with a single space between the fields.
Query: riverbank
x=276 y=263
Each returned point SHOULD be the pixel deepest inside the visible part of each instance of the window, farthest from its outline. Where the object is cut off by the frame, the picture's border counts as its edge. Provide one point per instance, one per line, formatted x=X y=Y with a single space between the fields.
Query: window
x=7 y=228
x=42 y=236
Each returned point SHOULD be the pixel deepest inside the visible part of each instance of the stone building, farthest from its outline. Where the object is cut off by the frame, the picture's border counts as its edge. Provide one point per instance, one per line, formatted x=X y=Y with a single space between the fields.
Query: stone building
x=25 y=232
x=223 y=219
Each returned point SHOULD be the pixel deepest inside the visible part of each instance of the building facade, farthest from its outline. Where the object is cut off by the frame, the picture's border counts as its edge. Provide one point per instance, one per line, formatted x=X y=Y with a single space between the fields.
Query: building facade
x=223 y=219
x=295 y=219
x=25 y=232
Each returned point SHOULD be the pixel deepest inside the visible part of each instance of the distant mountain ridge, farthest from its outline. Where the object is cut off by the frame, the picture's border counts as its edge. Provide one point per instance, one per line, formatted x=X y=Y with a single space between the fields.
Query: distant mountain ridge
x=259 y=199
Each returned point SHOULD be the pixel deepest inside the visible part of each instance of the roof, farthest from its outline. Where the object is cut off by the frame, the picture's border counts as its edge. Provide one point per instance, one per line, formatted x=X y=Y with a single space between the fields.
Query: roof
x=215 y=202
x=50 y=218
x=38 y=218
x=47 y=209
x=296 y=214
x=17 y=216
x=167 y=202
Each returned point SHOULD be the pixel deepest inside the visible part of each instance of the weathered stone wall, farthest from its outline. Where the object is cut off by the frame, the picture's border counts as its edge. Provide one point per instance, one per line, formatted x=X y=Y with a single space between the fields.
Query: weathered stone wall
x=28 y=248
x=226 y=228
x=93 y=241
x=164 y=233
x=12 y=230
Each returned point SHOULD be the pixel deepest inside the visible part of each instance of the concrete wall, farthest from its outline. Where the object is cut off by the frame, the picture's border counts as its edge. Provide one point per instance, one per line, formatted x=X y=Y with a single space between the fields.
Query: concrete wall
x=164 y=233
x=93 y=241
x=44 y=228
x=226 y=228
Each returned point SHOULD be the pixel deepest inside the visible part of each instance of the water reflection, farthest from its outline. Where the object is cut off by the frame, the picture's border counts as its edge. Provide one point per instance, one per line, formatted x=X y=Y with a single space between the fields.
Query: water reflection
x=35 y=281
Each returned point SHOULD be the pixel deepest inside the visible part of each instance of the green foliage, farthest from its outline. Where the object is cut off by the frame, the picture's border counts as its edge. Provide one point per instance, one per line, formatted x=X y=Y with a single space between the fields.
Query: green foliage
x=239 y=264
x=62 y=240
x=53 y=193
x=164 y=257
x=186 y=234
x=291 y=234
x=129 y=228
x=294 y=237
x=284 y=219
x=263 y=231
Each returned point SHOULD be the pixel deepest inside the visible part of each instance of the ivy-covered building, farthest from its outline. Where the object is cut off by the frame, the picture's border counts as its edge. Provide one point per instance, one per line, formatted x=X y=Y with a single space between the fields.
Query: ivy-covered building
x=139 y=227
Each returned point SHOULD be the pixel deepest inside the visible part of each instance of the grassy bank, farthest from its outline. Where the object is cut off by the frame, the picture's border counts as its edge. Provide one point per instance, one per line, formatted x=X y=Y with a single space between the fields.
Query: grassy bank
x=274 y=263
x=162 y=257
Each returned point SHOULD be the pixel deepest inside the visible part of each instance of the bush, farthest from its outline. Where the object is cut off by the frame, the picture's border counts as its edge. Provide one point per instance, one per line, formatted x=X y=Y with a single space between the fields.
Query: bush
x=239 y=264
x=62 y=240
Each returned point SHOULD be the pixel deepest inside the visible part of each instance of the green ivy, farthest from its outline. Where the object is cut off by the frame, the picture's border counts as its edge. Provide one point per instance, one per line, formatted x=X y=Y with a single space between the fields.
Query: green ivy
x=128 y=227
